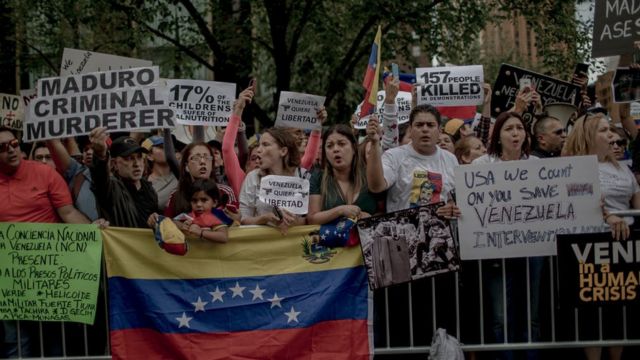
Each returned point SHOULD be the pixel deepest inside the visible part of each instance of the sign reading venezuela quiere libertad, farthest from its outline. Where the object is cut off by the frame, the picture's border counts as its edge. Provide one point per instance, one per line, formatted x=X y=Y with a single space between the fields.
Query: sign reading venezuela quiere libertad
x=130 y=99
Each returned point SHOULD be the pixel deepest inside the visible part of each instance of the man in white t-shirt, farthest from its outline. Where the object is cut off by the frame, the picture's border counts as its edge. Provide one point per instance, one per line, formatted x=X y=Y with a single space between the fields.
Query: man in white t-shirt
x=415 y=174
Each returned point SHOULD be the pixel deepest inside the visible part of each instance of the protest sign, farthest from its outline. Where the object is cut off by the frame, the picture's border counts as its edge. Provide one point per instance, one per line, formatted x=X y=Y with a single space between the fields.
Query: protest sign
x=299 y=110
x=11 y=111
x=27 y=95
x=595 y=270
x=76 y=62
x=286 y=192
x=616 y=26
x=125 y=100
x=551 y=90
x=450 y=86
x=407 y=245
x=49 y=272
x=626 y=85
x=403 y=105
x=197 y=102
x=516 y=208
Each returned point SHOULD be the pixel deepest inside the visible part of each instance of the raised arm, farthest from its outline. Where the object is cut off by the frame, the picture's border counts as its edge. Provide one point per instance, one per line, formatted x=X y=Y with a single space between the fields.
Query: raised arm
x=390 y=133
x=170 y=153
x=375 y=173
x=60 y=155
x=232 y=167
x=102 y=183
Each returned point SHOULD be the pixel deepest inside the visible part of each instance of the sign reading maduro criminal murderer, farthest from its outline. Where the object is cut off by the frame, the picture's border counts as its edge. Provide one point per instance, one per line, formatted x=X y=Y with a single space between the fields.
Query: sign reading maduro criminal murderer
x=594 y=270
x=132 y=99
x=49 y=272
x=516 y=208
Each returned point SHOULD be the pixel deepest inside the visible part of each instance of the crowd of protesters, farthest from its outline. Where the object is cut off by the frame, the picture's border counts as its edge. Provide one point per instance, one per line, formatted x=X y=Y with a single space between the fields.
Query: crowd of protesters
x=134 y=180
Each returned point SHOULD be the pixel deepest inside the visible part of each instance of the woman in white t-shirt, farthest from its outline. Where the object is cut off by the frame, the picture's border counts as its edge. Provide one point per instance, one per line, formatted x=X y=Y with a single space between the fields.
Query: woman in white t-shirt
x=591 y=135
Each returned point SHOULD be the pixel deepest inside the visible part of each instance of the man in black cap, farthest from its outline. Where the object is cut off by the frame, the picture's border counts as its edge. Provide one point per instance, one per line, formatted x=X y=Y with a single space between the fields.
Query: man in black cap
x=124 y=198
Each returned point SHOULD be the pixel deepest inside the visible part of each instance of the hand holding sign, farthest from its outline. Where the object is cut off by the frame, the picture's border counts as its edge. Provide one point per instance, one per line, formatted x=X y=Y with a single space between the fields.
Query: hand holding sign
x=321 y=114
x=98 y=138
x=373 y=130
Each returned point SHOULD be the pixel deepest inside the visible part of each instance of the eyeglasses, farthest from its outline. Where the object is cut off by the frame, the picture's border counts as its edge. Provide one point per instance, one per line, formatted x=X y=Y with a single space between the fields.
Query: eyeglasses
x=621 y=143
x=43 y=157
x=4 y=147
x=198 y=158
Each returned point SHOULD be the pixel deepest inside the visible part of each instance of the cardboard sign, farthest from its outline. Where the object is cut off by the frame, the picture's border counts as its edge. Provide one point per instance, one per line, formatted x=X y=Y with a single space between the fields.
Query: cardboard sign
x=595 y=270
x=126 y=100
x=298 y=110
x=197 y=102
x=551 y=90
x=403 y=104
x=11 y=111
x=76 y=61
x=626 y=85
x=450 y=86
x=516 y=208
x=616 y=26
x=287 y=192
x=407 y=245
x=49 y=272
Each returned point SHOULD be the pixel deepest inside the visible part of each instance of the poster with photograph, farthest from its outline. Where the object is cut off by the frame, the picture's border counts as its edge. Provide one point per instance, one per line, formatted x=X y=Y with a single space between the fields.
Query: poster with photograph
x=626 y=85
x=407 y=245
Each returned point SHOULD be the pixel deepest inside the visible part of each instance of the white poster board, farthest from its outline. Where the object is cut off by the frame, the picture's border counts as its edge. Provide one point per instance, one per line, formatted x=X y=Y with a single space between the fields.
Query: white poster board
x=516 y=208
x=298 y=110
x=122 y=100
x=403 y=105
x=11 y=111
x=286 y=192
x=450 y=86
x=76 y=61
x=199 y=102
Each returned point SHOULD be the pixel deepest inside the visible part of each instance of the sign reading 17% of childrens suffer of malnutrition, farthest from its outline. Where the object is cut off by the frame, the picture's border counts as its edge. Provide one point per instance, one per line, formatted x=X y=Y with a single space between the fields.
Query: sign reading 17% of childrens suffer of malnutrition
x=121 y=100
x=198 y=102
x=299 y=110
x=450 y=86
x=49 y=272
x=285 y=192
x=516 y=208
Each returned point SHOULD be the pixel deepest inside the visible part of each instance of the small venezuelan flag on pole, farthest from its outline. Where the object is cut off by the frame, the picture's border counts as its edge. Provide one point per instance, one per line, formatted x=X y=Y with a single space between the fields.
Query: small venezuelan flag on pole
x=371 y=77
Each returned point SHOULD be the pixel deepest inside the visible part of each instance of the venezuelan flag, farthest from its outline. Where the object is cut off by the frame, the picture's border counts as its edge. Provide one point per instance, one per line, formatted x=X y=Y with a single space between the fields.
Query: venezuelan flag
x=372 y=77
x=260 y=296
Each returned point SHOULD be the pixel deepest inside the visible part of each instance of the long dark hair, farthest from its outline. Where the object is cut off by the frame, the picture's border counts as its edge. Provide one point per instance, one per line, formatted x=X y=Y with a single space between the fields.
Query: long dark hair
x=182 y=197
x=329 y=187
x=495 y=147
x=208 y=186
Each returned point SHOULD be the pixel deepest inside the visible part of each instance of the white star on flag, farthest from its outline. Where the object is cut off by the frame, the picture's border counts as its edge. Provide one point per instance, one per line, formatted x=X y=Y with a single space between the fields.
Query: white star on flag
x=237 y=290
x=327 y=231
x=257 y=293
x=292 y=315
x=275 y=301
x=184 y=321
x=217 y=295
x=199 y=305
x=323 y=237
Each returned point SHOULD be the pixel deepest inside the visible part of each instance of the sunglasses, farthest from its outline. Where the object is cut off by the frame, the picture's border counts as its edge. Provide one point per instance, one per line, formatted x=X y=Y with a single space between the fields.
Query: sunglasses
x=559 y=132
x=4 y=147
x=621 y=143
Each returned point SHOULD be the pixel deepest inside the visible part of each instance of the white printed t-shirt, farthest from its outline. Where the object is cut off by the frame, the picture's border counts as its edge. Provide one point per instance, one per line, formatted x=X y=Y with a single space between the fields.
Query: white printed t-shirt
x=617 y=186
x=414 y=179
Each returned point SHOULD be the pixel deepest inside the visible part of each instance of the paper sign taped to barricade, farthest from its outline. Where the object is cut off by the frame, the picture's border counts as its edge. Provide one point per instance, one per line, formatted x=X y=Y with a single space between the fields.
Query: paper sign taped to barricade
x=616 y=26
x=450 y=86
x=403 y=105
x=516 y=208
x=286 y=192
x=49 y=272
x=298 y=110
x=121 y=100
x=76 y=61
x=11 y=111
x=198 y=102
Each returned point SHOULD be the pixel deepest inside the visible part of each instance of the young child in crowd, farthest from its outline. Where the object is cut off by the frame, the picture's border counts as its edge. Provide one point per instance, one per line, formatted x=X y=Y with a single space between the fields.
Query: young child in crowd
x=201 y=221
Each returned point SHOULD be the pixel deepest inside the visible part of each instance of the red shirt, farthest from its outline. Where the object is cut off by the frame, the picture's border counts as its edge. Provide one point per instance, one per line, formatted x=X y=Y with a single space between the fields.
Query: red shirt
x=32 y=194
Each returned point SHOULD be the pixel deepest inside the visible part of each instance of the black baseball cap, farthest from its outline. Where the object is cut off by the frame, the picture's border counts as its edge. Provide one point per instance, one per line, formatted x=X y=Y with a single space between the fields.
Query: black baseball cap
x=125 y=146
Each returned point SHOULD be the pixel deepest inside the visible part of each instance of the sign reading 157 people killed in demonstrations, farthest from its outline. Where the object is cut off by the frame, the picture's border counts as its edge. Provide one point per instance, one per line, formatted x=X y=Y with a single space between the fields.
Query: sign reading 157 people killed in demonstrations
x=616 y=26
x=450 y=86
x=197 y=102
x=551 y=90
x=595 y=270
x=299 y=110
x=132 y=99
x=11 y=111
x=403 y=106
x=516 y=208
x=49 y=272
x=76 y=61
x=287 y=192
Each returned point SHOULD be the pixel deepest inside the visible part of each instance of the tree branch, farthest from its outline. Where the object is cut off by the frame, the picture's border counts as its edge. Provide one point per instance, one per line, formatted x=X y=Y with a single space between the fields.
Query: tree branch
x=204 y=29
x=55 y=69
x=297 y=32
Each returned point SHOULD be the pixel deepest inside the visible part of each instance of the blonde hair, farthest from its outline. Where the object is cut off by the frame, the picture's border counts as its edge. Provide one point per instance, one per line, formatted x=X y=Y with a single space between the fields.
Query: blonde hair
x=582 y=138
